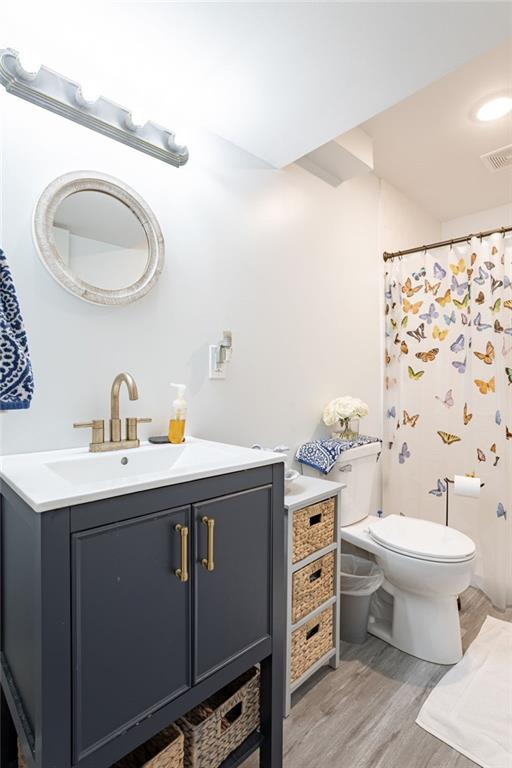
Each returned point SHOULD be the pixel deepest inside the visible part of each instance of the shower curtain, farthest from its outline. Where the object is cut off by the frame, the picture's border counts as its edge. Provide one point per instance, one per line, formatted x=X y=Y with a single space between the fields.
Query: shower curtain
x=448 y=395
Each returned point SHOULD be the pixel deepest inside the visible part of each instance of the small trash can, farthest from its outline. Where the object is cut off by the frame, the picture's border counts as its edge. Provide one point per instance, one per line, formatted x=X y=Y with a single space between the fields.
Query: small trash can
x=359 y=579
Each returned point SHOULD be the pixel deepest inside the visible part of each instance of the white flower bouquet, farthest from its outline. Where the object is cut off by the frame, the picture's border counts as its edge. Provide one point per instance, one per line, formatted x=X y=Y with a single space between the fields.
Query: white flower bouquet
x=340 y=411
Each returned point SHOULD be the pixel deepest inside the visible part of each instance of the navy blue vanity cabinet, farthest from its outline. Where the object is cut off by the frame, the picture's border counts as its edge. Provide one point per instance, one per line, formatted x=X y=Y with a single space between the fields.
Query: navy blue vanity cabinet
x=120 y=615
x=232 y=599
x=131 y=623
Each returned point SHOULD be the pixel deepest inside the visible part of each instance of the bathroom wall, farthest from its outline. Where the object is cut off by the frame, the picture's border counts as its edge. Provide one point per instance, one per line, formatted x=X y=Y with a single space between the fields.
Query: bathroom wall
x=403 y=223
x=289 y=264
x=479 y=222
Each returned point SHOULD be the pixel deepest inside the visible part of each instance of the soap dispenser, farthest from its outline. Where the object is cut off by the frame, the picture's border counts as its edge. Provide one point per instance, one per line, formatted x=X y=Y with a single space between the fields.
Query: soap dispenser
x=178 y=416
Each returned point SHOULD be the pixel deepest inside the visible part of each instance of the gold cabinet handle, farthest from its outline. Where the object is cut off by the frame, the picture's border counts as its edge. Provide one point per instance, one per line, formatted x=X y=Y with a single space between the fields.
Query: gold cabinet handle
x=208 y=561
x=182 y=573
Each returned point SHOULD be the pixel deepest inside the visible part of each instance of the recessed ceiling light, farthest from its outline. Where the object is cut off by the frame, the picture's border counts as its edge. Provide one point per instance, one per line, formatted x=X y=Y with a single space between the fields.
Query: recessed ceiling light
x=494 y=108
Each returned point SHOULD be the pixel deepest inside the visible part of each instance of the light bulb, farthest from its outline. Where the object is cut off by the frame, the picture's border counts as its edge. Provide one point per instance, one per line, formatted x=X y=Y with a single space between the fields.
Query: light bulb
x=494 y=109
x=173 y=143
x=135 y=120
x=28 y=65
x=87 y=95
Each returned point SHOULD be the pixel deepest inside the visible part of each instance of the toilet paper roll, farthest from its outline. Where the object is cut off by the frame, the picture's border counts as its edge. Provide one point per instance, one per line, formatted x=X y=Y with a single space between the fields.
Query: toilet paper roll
x=466 y=486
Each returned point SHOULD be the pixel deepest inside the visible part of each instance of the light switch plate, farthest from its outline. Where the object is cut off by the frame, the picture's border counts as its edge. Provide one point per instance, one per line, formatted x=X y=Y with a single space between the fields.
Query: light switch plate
x=215 y=371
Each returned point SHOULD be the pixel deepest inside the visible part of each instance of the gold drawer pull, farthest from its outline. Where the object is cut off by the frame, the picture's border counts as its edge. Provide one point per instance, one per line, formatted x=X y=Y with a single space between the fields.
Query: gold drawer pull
x=182 y=573
x=208 y=561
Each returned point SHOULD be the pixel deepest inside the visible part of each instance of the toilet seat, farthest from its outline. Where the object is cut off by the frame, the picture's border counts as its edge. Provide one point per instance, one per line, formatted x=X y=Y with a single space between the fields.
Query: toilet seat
x=422 y=539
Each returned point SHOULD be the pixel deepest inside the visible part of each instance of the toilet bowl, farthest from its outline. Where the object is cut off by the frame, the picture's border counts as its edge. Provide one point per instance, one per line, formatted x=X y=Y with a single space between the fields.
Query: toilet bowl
x=426 y=565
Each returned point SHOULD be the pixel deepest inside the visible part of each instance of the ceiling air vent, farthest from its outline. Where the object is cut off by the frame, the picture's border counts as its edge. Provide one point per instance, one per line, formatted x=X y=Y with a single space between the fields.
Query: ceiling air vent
x=498 y=159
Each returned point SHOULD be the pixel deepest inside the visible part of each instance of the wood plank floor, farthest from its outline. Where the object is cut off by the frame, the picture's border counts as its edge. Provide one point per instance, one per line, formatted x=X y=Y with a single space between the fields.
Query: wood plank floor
x=363 y=714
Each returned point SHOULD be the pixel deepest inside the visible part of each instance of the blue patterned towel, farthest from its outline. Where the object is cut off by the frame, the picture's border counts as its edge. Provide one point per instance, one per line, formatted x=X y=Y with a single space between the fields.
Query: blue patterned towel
x=323 y=454
x=16 y=380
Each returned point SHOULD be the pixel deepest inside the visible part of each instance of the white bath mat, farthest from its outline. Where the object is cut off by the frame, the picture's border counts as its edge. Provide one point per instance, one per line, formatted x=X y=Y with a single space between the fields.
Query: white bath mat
x=471 y=707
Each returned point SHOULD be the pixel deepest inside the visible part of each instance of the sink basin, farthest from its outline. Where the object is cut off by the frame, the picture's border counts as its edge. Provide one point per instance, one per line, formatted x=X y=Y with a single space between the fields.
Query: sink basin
x=55 y=479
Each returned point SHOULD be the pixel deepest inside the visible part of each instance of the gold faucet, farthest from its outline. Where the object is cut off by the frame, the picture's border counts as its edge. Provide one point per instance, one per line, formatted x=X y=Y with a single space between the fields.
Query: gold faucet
x=116 y=442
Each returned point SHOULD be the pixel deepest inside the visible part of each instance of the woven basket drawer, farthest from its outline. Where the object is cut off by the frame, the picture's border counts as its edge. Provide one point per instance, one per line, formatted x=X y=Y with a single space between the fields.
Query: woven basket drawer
x=313 y=528
x=310 y=642
x=165 y=750
x=219 y=725
x=312 y=586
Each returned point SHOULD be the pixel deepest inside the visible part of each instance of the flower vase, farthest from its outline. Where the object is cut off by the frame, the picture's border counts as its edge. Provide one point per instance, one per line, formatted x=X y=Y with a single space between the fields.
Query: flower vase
x=348 y=430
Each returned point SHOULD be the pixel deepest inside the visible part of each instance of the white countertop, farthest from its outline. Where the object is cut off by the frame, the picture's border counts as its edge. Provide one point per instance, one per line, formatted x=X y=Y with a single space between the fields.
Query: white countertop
x=55 y=479
x=308 y=490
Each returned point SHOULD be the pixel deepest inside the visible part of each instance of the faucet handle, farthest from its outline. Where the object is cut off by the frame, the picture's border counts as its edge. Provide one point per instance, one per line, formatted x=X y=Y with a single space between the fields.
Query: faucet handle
x=131 y=427
x=98 y=429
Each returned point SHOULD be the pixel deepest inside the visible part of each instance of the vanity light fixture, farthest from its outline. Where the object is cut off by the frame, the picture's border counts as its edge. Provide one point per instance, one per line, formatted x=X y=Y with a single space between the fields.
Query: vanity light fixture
x=27 y=68
x=494 y=108
x=134 y=121
x=57 y=93
x=86 y=96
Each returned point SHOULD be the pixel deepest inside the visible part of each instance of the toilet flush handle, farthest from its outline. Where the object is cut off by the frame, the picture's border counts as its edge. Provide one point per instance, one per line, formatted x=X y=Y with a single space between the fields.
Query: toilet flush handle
x=345 y=468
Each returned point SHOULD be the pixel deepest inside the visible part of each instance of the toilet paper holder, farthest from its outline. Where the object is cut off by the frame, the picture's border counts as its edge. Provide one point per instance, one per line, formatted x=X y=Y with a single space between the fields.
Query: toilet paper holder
x=448 y=483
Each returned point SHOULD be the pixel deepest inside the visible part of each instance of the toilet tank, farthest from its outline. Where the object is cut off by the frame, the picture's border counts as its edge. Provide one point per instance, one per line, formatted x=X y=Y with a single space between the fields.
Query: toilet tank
x=358 y=469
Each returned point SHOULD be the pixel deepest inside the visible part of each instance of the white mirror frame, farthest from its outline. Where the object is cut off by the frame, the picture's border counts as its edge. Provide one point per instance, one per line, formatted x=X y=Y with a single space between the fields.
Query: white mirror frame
x=44 y=217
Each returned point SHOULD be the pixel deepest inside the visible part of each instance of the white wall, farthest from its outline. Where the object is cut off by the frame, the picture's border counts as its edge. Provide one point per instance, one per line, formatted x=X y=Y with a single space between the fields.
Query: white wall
x=478 y=222
x=289 y=264
x=278 y=257
x=403 y=223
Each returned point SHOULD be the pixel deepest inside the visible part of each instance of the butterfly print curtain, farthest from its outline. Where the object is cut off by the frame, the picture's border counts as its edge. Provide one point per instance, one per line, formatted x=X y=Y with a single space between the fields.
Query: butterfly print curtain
x=448 y=395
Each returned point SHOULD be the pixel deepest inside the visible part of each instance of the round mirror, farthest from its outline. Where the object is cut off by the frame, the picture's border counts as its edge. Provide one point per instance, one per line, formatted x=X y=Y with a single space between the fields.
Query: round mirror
x=98 y=238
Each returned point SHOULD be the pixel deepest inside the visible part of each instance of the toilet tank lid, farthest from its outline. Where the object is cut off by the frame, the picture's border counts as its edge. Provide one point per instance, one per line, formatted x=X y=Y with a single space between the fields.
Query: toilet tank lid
x=359 y=452
x=422 y=539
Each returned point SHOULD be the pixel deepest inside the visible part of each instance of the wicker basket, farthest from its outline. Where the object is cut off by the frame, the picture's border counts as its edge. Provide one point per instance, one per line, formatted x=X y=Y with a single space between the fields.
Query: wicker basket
x=219 y=725
x=165 y=750
x=312 y=586
x=313 y=529
x=310 y=642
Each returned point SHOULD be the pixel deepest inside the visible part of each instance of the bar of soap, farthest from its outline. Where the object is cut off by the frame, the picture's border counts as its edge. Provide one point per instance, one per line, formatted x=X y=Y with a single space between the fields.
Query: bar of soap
x=158 y=439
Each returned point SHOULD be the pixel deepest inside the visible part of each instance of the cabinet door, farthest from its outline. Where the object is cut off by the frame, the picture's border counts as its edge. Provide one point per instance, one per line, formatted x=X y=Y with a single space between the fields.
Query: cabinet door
x=232 y=601
x=131 y=634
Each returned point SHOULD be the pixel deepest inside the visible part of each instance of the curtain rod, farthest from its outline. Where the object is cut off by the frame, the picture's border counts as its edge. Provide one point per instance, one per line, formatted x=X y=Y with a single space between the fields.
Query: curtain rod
x=387 y=256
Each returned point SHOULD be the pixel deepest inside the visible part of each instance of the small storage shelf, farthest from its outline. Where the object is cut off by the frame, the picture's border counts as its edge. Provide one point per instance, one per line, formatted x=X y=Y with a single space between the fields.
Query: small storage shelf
x=316 y=575
x=314 y=556
x=330 y=602
x=322 y=662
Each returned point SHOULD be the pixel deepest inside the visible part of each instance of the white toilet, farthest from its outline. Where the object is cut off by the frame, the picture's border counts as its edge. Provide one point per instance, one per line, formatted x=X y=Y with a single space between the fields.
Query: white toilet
x=426 y=565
